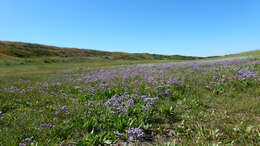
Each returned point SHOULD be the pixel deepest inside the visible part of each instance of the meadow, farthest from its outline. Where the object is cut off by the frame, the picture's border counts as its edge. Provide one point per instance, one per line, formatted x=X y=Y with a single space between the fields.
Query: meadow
x=207 y=102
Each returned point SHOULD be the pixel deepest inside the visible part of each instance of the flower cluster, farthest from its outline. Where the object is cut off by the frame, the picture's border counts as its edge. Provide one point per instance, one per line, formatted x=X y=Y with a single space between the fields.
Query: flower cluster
x=49 y=125
x=149 y=101
x=118 y=134
x=26 y=141
x=119 y=104
x=62 y=109
x=135 y=133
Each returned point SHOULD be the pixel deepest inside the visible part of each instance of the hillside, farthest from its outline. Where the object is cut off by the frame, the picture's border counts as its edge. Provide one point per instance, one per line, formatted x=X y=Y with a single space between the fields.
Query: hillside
x=29 y=50
x=245 y=54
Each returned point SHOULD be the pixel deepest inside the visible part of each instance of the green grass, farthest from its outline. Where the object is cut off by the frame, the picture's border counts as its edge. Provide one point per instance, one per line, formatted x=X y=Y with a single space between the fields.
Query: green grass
x=227 y=113
x=18 y=67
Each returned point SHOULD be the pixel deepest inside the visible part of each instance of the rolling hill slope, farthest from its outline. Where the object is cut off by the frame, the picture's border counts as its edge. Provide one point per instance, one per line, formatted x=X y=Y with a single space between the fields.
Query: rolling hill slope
x=29 y=50
x=245 y=54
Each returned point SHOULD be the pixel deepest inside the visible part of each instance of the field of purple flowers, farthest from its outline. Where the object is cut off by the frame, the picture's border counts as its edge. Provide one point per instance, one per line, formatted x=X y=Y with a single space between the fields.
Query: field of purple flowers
x=206 y=102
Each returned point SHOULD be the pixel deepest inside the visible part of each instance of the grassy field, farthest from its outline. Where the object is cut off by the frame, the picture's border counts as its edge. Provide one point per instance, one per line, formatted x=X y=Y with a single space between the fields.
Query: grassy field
x=12 y=67
x=103 y=98
x=131 y=102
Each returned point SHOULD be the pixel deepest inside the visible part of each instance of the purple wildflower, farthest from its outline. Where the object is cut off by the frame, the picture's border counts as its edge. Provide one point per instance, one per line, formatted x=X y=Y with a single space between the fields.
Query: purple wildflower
x=28 y=140
x=207 y=86
x=64 y=108
x=196 y=68
x=118 y=134
x=47 y=125
x=112 y=112
x=119 y=104
x=149 y=101
x=143 y=96
x=168 y=91
x=135 y=133
x=144 y=108
x=136 y=90
x=130 y=102
x=90 y=103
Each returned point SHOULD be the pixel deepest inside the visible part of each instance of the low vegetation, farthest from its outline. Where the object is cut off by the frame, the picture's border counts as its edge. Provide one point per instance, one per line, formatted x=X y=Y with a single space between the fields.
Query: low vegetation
x=66 y=96
x=194 y=102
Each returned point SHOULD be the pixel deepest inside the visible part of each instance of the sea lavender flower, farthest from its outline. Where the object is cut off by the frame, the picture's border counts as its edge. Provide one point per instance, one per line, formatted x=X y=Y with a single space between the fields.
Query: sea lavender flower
x=135 y=133
x=118 y=134
x=196 y=68
x=236 y=69
x=207 y=86
x=46 y=85
x=144 y=108
x=91 y=103
x=130 y=102
x=223 y=79
x=126 y=92
x=143 y=96
x=168 y=91
x=12 y=89
x=28 y=140
x=63 y=108
x=246 y=73
x=149 y=101
x=119 y=104
x=47 y=125
x=136 y=90
x=103 y=86
x=112 y=112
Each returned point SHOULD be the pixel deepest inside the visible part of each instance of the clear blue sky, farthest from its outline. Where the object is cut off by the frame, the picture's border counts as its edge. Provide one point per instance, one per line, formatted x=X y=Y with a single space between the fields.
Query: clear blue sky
x=186 y=27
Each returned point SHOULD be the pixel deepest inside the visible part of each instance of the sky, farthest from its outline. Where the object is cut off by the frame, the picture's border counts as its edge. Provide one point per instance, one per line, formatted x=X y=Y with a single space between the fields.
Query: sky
x=184 y=27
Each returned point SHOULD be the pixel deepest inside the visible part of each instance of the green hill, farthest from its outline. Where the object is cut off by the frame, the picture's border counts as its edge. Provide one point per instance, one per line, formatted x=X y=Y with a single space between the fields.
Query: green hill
x=29 y=50
x=245 y=54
